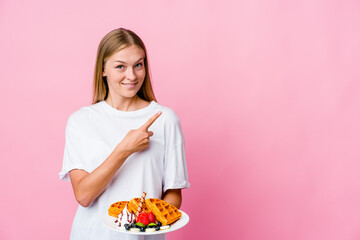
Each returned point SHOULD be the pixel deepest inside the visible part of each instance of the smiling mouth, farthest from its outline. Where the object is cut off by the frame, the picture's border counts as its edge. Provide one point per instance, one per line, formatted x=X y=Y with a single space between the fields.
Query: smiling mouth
x=129 y=84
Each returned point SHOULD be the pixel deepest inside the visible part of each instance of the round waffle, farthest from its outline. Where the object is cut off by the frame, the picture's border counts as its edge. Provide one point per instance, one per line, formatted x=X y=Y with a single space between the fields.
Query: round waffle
x=163 y=211
x=116 y=208
x=134 y=204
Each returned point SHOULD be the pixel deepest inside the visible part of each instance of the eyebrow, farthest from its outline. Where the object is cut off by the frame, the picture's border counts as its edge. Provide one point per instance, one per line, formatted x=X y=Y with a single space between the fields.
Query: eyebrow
x=126 y=62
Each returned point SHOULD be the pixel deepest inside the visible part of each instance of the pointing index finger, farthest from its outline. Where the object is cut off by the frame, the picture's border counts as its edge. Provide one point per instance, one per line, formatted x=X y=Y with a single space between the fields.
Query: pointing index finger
x=150 y=121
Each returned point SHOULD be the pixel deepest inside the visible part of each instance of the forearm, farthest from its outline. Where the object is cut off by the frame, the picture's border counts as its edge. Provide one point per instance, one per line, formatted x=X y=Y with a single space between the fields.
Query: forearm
x=173 y=196
x=88 y=186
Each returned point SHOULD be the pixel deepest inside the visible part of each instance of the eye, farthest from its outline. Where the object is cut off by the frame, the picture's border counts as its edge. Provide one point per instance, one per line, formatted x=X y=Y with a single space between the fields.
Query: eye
x=120 y=67
x=139 y=65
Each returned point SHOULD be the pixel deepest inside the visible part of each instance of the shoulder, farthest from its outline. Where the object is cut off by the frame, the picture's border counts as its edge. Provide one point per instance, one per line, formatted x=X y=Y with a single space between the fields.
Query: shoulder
x=168 y=115
x=171 y=125
x=84 y=114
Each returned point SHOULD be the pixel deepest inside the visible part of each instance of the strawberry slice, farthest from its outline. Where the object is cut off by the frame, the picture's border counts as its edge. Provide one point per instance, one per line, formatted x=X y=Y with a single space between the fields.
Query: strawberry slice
x=141 y=216
x=144 y=219
x=151 y=217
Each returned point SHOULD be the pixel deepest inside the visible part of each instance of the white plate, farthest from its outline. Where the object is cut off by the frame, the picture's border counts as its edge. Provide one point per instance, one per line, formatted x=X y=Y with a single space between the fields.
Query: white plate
x=109 y=222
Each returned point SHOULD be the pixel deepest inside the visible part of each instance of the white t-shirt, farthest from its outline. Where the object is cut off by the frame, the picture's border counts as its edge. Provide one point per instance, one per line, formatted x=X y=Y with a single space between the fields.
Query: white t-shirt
x=93 y=132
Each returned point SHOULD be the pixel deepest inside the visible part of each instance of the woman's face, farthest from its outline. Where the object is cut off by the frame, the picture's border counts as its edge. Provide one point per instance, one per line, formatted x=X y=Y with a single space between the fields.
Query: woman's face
x=125 y=72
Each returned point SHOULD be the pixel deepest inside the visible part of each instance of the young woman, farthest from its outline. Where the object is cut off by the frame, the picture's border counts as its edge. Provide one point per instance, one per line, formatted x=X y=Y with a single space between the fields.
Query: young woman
x=125 y=143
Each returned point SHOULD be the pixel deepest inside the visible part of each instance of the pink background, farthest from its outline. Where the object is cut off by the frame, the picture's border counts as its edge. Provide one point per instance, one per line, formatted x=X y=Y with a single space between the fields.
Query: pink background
x=267 y=92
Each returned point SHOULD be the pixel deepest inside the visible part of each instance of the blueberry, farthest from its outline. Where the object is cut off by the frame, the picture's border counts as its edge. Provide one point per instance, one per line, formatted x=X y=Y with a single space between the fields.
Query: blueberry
x=132 y=225
x=127 y=226
x=157 y=228
x=159 y=224
x=142 y=229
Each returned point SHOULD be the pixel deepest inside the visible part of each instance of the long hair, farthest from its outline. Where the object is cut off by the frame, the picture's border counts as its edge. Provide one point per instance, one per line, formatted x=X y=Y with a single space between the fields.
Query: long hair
x=113 y=42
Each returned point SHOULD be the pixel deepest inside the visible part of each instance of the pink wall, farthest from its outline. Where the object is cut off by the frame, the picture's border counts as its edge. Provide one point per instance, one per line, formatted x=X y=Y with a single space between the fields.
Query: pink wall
x=267 y=92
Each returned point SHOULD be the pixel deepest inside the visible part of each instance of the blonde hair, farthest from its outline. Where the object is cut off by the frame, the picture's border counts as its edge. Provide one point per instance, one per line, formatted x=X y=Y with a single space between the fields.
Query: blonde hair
x=113 y=42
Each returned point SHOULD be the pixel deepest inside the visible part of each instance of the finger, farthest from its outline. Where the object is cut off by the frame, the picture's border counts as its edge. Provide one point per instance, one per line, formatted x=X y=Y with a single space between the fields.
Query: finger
x=150 y=121
x=150 y=133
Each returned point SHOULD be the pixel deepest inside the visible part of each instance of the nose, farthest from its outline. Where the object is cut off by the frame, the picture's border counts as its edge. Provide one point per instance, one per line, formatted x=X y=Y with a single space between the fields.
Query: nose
x=130 y=74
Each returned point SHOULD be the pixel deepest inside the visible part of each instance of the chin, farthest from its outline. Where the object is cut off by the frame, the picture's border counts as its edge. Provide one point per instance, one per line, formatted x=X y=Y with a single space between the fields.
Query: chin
x=130 y=95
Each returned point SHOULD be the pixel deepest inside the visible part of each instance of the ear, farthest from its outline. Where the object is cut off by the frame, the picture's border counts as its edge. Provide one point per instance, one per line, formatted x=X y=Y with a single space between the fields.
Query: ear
x=103 y=70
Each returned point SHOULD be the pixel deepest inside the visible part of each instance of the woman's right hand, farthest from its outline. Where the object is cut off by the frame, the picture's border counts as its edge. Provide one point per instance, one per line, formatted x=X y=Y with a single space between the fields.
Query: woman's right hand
x=138 y=139
x=88 y=186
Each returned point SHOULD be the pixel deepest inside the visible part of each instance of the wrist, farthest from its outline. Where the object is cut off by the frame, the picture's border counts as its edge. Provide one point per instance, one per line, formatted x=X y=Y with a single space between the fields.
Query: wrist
x=121 y=152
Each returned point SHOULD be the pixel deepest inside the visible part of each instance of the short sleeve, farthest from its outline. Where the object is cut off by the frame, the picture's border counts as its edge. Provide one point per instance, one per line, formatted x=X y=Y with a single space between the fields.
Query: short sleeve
x=73 y=157
x=175 y=172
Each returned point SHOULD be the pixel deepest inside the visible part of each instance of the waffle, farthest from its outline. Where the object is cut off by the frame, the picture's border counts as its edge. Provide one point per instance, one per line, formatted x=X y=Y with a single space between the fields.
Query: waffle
x=163 y=211
x=133 y=206
x=116 y=208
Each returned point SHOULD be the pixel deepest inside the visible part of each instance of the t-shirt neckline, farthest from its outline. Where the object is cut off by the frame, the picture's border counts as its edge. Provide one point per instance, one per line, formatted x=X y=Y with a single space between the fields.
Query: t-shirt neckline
x=117 y=112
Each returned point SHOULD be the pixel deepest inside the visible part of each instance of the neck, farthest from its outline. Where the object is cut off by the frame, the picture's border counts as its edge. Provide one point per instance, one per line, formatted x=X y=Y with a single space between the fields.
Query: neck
x=126 y=104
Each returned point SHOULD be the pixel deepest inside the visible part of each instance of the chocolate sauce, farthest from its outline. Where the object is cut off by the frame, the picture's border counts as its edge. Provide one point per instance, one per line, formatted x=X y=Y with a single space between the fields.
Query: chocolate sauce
x=130 y=217
x=121 y=216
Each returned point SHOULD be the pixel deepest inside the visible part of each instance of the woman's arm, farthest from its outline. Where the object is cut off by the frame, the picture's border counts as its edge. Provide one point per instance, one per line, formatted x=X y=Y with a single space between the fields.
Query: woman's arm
x=173 y=196
x=88 y=186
